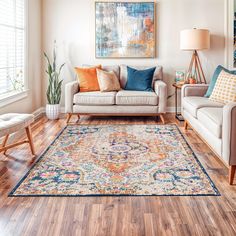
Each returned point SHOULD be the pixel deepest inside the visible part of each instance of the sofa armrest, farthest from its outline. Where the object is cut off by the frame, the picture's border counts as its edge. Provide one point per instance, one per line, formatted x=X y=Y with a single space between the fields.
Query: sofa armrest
x=229 y=133
x=71 y=89
x=198 y=90
x=160 y=89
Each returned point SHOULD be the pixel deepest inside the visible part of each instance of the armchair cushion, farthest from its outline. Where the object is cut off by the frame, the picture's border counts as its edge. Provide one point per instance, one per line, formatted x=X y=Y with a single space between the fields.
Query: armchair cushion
x=225 y=88
x=192 y=104
x=194 y=90
x=136 y=98
x=214 y=79
x=211 y=118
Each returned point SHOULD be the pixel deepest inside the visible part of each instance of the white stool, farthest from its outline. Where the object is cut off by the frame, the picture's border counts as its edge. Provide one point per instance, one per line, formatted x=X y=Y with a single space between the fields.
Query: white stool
x=13 y=122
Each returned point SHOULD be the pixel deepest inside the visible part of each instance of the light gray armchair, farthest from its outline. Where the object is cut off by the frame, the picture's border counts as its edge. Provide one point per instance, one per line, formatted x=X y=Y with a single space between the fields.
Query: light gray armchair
x=213 y=121
x=121 y=103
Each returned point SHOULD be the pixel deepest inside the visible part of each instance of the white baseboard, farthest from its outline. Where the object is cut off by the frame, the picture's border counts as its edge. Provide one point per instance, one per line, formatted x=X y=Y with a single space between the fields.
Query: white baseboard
x=172 y=109
x=39 y=112
x=42 y=110
x=62 y=109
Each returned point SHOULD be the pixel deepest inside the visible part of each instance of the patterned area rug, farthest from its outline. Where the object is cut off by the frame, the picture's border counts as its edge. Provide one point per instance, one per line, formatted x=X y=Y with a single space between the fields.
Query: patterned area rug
x=88 y=160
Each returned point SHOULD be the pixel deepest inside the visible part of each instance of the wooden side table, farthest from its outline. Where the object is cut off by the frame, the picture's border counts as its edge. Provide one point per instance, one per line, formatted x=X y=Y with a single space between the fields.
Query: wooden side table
x=178 y=115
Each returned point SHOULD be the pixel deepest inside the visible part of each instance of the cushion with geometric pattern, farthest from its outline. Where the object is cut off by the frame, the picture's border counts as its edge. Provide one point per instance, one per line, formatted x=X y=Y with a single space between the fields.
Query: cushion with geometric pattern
x=225 y=88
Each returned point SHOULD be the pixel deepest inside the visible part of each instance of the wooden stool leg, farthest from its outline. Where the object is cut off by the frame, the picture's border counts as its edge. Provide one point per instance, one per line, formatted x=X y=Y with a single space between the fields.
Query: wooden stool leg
x=29 y=135
x=5 y=142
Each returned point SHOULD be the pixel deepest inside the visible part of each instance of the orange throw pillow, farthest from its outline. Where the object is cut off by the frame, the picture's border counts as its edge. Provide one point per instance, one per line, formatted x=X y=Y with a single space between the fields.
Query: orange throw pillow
x=87 y=78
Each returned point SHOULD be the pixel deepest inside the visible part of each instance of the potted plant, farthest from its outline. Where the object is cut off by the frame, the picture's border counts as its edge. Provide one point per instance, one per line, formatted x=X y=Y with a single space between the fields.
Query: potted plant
x=54 y=87
x=191 y=78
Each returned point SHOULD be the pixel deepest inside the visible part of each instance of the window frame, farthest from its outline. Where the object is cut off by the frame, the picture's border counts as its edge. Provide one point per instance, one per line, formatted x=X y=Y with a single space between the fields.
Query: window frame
x=15 y=96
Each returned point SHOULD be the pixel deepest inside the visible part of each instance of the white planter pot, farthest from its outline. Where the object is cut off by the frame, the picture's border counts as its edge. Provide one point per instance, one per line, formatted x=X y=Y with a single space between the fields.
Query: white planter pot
x=52 y=111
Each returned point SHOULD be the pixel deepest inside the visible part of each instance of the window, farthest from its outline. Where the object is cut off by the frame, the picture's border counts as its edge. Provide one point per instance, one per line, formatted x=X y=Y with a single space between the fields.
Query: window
x=12 y=47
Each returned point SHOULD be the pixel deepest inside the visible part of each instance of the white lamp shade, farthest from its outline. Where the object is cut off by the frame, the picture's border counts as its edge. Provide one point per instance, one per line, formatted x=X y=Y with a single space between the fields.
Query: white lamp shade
x=194 y=39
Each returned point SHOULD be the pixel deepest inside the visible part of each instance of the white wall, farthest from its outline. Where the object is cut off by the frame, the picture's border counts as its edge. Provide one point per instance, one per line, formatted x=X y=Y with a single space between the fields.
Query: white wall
x=71 y=23
x=33 y=101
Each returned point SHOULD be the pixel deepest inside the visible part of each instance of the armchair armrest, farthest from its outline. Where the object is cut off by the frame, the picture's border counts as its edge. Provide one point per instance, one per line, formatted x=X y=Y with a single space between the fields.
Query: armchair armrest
x=229 y=133
x=160 y=89
x=194 y=90
x=71 y=89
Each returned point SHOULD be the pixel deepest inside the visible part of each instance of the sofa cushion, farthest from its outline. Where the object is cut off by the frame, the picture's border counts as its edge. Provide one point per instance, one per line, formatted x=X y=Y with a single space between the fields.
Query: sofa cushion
x=108 y=81
x=87 y=78
x=140 y=80
x=211 y=118
x=95 y=98
x=137 y=98
x=192 y=104
x=114 y=68
x=158 y=74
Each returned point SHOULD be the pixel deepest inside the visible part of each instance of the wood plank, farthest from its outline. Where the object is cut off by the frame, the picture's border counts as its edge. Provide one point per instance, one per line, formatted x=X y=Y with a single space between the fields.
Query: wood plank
x=113 y=215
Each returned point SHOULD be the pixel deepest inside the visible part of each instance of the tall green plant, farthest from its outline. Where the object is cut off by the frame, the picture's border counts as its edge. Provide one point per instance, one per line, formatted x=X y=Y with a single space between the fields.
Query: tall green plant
x=54 y=82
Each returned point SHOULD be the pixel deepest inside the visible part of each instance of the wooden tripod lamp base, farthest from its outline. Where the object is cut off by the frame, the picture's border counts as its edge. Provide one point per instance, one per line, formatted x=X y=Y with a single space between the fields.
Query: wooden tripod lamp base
x=195 y=40
x=195 y=65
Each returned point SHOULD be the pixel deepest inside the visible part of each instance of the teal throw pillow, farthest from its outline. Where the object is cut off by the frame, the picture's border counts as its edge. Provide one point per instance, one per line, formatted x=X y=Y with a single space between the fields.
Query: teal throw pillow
x=139 y=80
x=214 y=79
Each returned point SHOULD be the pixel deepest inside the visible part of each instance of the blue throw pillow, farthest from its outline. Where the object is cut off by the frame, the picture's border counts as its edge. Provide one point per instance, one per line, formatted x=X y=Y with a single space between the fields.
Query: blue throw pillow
x=139 y=80
x=214 y=79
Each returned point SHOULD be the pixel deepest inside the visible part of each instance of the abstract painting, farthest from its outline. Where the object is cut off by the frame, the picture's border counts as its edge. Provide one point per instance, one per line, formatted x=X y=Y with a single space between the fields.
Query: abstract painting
x=234 y=34
x=125 y=29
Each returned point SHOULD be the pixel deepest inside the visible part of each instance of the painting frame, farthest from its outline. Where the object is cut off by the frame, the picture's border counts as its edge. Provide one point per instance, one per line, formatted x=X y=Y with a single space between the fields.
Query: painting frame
x=154 y=33
x=230 y=63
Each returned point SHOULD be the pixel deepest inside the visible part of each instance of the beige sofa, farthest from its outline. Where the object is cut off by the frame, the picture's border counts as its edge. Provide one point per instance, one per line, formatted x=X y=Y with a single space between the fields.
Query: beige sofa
x=124 y=102
x=213 y=121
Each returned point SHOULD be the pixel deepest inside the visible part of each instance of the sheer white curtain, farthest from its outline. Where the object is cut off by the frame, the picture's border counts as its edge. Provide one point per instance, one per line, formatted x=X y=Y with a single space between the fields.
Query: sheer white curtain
x=12 y=45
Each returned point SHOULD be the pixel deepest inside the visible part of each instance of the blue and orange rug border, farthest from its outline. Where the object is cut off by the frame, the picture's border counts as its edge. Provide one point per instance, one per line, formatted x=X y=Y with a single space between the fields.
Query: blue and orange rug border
x=11 y=194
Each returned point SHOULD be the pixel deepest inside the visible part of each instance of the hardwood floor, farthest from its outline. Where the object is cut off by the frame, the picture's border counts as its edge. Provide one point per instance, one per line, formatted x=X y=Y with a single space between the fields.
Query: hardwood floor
x=113 y=215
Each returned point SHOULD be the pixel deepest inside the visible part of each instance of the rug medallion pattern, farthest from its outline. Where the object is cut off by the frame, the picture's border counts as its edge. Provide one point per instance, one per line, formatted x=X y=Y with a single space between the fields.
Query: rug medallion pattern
x=117 y=160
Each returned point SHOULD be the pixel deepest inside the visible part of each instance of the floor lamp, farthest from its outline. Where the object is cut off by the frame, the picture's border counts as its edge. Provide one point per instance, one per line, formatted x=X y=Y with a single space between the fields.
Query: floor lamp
x=195 y=40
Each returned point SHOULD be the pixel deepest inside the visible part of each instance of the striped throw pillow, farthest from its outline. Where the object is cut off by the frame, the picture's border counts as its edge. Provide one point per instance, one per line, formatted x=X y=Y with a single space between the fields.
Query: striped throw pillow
x=225 y=88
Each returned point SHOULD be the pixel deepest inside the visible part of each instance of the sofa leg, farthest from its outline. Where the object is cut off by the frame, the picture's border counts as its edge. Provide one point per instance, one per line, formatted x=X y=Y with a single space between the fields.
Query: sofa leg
x=78 y=118
x=69 y=115
x=185 y=125
x=162 y=119
x=232 y=170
